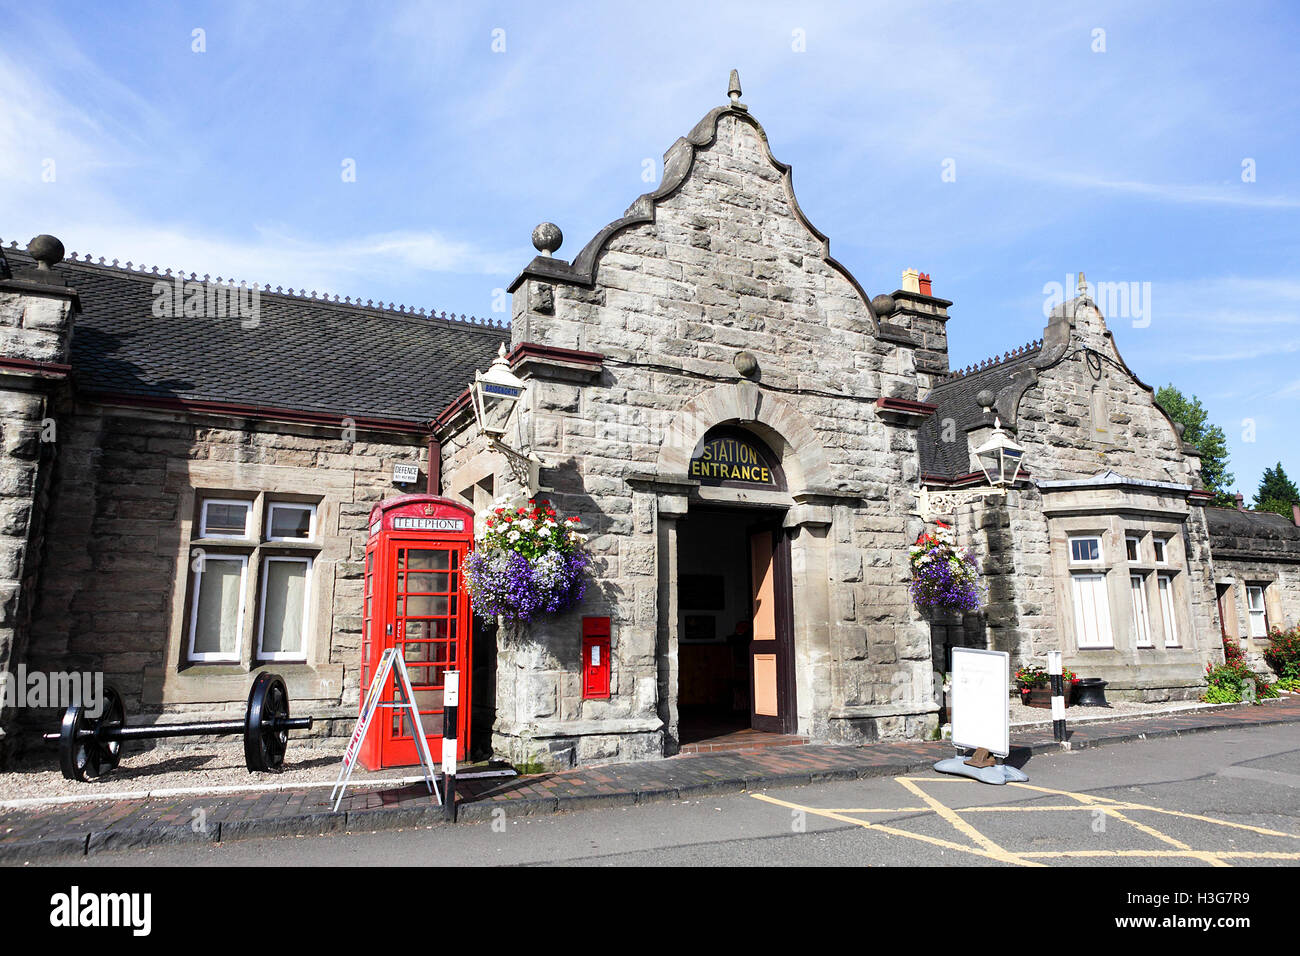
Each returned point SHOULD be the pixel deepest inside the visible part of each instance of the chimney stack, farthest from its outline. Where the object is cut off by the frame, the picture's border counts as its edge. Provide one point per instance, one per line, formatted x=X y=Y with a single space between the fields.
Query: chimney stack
x=1241 y=501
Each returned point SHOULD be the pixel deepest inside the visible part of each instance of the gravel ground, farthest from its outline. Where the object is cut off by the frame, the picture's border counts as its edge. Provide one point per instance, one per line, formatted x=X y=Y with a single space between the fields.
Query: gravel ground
x=210 y=767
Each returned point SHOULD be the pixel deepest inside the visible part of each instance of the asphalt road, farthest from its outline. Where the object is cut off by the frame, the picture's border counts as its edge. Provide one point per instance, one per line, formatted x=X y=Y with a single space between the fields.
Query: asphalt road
x=1228 y=797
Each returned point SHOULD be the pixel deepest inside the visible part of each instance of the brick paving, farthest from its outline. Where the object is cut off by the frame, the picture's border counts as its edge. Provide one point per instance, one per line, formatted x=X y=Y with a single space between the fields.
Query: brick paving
x=117 y=824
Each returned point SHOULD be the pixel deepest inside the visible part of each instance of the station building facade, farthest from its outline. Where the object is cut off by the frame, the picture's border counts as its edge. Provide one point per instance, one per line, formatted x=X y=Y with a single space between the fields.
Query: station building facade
x=751 y=441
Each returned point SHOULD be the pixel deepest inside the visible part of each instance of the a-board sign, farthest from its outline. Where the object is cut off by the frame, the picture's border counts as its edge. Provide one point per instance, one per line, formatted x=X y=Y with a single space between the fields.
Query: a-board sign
x=980 y=704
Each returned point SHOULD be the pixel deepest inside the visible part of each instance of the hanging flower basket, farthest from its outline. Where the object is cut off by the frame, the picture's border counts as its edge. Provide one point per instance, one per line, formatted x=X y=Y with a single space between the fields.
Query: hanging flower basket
x=527 y=562
x=944 y=577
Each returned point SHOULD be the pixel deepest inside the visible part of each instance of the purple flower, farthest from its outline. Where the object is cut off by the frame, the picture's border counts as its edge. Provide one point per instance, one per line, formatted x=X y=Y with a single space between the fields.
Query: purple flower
x=504 y=582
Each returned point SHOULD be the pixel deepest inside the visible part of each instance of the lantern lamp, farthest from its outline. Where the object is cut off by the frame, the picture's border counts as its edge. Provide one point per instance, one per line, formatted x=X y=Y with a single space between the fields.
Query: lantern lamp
x=494 y=393
x=1000 y=457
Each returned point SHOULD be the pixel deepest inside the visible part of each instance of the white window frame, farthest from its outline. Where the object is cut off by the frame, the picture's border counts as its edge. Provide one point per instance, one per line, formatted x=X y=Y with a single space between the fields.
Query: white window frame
x=1136 y=539
x=306 y=608
x=1251 y=610
x=1141 y=612
x=1104 y=636
x=212 y=656
x=1091 y=563
x=1160 y=546
x=1168 y=609
x=248 y=518
x=298 y=506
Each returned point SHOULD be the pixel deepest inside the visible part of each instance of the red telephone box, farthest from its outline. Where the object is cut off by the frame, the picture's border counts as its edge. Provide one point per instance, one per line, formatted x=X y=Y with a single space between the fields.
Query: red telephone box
x=414 y=601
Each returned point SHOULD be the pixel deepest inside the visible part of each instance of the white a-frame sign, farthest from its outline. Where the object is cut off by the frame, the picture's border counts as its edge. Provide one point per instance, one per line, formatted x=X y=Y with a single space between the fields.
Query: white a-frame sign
x=392 y=658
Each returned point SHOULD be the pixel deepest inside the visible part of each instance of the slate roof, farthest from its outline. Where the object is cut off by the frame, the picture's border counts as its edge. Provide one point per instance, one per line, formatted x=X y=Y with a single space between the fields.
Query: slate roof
x=1252 y=535
x=955 y=400
x=306 y=354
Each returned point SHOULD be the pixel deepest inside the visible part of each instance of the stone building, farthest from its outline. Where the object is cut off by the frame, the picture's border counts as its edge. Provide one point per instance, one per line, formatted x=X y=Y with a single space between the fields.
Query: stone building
x=175 y=481
x=1256 y=574
x=752 y=444
x=1103 y=551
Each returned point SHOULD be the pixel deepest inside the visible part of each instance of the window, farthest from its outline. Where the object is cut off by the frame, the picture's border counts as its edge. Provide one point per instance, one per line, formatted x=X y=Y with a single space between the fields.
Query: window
x=1085 y=550
x=218 y=607
x=1158 y=544
x=225 y=518
x=290 y=522
x=1256 y=609
x=1141 y=618
x=1091 y=610
x=283 y=624
x=251 y=595
x=1132 y=547
x=1165 y=583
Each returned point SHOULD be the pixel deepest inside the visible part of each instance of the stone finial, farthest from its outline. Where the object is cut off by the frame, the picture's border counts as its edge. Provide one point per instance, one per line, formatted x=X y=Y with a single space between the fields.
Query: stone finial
x=1082 y=286
x=733 y=88
x=746 y=364
x=984 y=398
x=547 y=238
x=46 y=250
x=884 y=305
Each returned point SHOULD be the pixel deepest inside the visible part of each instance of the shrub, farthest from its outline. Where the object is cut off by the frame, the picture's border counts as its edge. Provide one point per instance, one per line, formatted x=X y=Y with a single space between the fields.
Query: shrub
x=1227 y=680
x=1283 y=651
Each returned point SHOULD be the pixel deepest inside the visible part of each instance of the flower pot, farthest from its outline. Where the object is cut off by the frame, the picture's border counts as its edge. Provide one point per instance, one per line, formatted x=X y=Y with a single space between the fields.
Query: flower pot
x=1041 y=696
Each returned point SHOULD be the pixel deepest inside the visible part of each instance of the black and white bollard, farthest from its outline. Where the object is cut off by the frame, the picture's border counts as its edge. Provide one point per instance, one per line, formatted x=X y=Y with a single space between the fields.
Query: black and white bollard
x=450 y=704
x=1058 y=696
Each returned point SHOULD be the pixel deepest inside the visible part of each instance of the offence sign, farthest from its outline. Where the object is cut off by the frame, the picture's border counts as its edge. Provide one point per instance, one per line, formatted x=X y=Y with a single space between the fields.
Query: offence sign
x=981 y=704
x=725 y=458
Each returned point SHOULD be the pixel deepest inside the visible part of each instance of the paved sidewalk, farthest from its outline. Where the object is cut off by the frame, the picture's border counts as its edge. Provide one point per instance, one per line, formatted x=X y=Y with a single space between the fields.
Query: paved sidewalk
x=109 y=825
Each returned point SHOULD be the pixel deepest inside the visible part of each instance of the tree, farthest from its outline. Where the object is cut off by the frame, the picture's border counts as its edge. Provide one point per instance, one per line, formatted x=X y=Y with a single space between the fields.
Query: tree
x=1276 y=492
x=1208 y=439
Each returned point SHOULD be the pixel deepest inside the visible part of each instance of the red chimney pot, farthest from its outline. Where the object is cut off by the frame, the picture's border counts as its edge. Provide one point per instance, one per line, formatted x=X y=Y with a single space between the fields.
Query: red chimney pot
x=924 y=282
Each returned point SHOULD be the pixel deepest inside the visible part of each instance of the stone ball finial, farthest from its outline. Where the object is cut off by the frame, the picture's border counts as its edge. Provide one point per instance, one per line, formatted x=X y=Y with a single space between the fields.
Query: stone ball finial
x=1179 y=427
x=46 y=250
x=984 y=398
x=746 y=364
x=883 y=305
x=547 y=238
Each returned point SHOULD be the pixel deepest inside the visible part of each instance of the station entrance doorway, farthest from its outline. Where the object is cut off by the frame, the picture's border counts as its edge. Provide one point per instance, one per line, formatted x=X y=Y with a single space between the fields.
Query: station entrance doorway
x=735 y=626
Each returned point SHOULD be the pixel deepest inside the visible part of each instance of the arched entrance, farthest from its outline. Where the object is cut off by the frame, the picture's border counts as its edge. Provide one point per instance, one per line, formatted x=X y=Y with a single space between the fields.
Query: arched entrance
x=734 y=591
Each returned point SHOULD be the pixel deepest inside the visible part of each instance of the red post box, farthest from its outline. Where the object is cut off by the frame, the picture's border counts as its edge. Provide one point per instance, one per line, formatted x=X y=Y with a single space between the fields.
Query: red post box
x=414 y=601
x=595 y=658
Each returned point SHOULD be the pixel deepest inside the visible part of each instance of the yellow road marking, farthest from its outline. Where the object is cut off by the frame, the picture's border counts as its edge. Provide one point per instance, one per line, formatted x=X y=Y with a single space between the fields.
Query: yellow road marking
x=947 y=844
x=962 y=826
x=989 y=849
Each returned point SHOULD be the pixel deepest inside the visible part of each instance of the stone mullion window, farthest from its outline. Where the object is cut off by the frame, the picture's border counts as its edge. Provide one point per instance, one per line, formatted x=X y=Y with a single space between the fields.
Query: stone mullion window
x=251 y=595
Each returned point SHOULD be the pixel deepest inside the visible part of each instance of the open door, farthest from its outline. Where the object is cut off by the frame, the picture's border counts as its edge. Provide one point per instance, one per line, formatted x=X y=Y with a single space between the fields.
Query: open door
x=771 y=650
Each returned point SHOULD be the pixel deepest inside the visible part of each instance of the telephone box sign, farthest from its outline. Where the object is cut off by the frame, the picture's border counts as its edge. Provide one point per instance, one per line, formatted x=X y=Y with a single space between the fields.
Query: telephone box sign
x=404 y=523
x=731 y=458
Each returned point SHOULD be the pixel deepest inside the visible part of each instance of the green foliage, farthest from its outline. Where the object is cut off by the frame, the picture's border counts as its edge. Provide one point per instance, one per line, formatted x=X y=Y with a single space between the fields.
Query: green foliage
x=1283 y=652
x=1276 y=492
x=1209 y=440
x=1289 y=683
x=1227 y=680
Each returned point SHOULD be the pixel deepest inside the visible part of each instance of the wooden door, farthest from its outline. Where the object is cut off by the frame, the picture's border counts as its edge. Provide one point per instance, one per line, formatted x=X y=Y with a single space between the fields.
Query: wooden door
x=771 y=649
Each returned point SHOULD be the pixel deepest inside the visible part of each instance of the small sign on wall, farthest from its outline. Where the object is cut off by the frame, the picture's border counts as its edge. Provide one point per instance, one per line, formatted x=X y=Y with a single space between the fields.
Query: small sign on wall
x=405 y=474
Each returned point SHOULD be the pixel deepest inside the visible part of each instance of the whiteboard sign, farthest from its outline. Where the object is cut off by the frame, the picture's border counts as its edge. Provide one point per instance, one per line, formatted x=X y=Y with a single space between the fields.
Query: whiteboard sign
x=404 y=474
x=981 y=705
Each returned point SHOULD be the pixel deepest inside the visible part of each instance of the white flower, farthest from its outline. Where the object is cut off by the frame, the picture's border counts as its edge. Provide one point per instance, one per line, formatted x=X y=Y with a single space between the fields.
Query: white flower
x=545 y=532
x=524 y=524
x=513 y=536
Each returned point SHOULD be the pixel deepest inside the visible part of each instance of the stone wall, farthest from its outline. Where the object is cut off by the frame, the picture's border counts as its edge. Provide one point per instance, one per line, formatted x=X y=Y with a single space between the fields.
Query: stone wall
x=114 y=591
x=724 y=263
x=35 y=333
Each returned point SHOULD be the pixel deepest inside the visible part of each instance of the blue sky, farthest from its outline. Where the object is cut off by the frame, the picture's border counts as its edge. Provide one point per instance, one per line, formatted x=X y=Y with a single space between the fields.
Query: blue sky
x=1125 y=162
